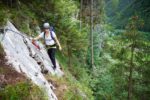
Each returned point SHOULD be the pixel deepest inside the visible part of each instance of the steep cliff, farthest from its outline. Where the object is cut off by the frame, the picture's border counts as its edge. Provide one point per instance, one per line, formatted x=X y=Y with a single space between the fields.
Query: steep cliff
x=25 y=58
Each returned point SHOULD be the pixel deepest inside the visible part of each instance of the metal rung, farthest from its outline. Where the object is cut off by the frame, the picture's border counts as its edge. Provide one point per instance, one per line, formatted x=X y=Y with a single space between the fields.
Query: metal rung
x=1 y=30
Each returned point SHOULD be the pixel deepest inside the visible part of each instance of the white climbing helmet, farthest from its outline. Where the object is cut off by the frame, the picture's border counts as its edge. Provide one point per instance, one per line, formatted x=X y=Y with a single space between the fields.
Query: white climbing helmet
x=46 y=26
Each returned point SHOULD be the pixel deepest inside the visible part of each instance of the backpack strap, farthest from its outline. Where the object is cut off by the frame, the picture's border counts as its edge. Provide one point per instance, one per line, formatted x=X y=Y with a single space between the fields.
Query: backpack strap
x=44 y=39
x=52 y=35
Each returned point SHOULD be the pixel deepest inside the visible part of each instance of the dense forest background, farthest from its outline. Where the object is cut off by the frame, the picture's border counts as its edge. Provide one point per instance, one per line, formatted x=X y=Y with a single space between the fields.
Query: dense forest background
x=105 y=43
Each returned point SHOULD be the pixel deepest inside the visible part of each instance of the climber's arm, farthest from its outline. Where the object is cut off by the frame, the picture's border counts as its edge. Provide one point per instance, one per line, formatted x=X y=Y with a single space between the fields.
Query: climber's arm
x=56 y=39
x=37 y=38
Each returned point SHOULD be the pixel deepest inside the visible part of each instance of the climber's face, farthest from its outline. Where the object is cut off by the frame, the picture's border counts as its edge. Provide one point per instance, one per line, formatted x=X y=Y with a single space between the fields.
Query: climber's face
x=46 y=30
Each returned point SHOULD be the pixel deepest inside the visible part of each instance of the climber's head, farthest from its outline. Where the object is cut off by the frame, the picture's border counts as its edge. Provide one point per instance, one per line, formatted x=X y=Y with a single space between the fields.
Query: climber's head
x=46 y=26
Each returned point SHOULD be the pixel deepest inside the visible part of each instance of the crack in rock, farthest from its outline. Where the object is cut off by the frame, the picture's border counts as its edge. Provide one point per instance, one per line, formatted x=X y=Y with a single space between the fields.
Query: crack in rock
x=36 y=57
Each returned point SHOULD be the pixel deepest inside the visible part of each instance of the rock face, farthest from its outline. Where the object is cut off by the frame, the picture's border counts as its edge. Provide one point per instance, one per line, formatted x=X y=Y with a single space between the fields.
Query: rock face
x=27 y=59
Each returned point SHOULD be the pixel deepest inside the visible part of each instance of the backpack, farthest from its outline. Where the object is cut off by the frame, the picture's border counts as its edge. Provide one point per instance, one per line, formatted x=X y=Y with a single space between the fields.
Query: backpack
x=52 y=28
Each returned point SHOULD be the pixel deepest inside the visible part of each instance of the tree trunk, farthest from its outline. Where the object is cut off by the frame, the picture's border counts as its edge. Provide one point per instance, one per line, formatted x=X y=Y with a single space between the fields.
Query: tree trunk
x=130 y=84
x=11 y=3
x=91 y=32
x=69 y=54
x=81 y=2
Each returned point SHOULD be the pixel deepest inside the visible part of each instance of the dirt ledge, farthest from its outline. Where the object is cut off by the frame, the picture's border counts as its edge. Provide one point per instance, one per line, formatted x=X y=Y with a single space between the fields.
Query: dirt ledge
x=8 y=75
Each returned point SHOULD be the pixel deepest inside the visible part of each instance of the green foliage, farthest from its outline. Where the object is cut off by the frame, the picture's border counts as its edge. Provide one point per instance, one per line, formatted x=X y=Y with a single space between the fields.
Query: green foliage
x=103 y=87
x=15 y=92
x=76 y=93
x=3 y=15
x=78 y=71
x=1 y=49
x=65 y=7
x=111 y=70
x=115 y=3
x=119 y=50
x=77 y=79
x=119 y=11
x=22 y=91
x=77 y=90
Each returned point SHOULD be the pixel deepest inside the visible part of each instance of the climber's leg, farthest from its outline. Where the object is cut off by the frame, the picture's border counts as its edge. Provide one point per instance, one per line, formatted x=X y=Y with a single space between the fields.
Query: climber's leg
x=51 y=53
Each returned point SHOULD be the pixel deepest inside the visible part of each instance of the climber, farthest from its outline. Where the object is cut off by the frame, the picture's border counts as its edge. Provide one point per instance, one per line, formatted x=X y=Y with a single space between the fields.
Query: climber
x=51 y=41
